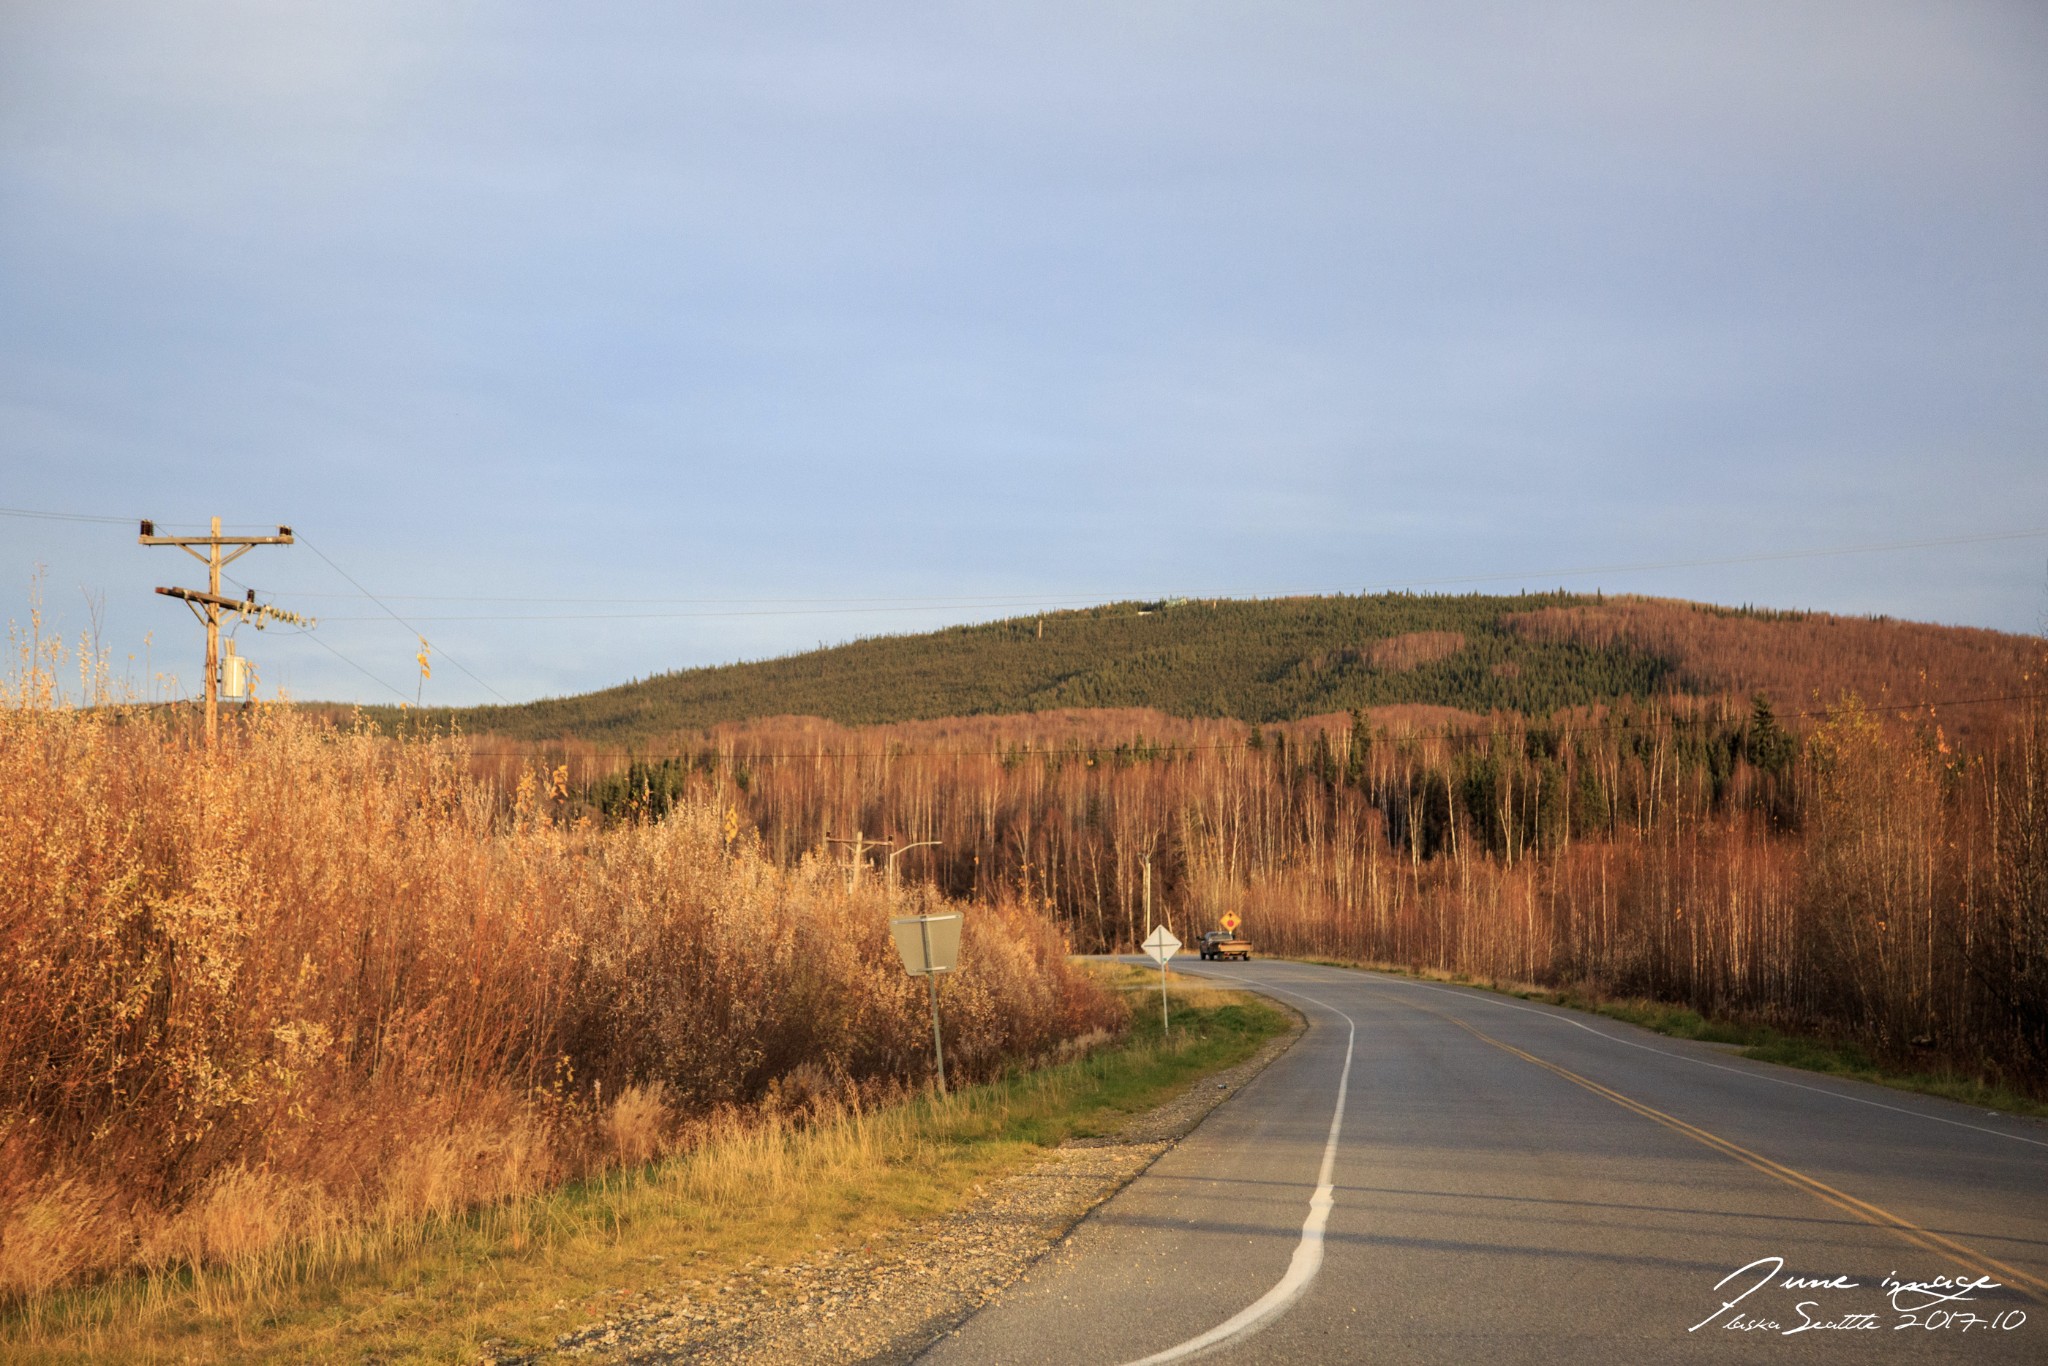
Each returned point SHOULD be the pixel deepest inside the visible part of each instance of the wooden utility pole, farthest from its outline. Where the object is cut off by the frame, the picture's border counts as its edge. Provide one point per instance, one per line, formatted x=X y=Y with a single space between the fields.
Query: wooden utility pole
x=861 y=844
x=209 y=605
x=1148 y=893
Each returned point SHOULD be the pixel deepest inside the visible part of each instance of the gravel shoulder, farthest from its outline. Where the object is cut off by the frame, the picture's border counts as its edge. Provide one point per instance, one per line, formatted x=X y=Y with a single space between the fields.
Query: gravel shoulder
x=889 y=1300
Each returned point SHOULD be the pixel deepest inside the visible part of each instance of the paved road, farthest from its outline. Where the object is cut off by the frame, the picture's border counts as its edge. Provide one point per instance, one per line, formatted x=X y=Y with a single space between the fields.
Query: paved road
x=1510 y=1183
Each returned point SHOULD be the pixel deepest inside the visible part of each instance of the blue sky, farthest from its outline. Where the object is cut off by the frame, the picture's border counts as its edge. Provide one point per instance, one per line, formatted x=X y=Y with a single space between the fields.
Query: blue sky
x=818 y=321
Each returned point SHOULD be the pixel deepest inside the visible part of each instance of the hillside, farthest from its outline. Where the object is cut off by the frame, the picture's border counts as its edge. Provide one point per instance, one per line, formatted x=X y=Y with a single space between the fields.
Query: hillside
x=1284 y=659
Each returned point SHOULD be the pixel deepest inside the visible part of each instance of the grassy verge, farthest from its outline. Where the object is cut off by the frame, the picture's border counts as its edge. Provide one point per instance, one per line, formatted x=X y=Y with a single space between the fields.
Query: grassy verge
x=750 y=1196
x=1760 y=1043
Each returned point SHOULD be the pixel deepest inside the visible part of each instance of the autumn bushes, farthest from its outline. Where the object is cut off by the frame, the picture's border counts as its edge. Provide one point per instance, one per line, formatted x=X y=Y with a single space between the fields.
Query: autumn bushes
x=284 y=999
x=729 y=979
x=1855 y=872
x=318 y=983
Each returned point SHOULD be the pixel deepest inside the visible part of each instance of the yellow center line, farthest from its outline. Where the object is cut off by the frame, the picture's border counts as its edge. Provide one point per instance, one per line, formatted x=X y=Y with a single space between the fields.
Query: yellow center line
x=1925 y=1239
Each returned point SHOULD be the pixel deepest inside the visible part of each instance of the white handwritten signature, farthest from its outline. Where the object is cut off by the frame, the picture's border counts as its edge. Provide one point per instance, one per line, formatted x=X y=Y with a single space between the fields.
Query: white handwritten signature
x=1934 y=1305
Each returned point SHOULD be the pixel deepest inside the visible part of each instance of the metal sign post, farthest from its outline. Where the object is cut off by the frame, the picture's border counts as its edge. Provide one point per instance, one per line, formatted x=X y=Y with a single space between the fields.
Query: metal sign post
x=1159 y=946
x=929 y=945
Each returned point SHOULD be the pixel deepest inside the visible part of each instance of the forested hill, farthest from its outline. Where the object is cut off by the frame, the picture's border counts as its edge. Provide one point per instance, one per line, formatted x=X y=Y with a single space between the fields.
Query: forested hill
x=1282 y=659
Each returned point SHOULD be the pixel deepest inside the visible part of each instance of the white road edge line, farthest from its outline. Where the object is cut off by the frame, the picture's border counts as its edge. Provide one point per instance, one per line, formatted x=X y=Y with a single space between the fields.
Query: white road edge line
x=1308 y=1253
x=1482 y=998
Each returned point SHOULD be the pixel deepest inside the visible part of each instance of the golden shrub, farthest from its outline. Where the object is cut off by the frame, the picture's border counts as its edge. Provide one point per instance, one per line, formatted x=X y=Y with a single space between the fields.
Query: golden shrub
x=319 y=976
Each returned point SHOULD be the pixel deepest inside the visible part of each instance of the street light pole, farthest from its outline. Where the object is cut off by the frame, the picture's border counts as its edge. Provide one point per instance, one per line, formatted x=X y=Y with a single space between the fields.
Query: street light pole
x=861 y=844
x=899 y=853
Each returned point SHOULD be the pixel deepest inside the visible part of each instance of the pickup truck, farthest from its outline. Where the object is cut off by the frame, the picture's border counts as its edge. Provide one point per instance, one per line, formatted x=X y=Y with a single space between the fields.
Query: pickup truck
x=1224 y=944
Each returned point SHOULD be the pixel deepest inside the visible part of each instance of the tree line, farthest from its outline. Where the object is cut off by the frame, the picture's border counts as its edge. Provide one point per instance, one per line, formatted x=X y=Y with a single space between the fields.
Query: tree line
x=1857 y=872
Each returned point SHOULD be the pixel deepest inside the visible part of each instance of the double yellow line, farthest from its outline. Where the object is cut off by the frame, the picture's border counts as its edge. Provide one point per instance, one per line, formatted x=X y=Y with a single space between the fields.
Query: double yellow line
x=1926 y=1239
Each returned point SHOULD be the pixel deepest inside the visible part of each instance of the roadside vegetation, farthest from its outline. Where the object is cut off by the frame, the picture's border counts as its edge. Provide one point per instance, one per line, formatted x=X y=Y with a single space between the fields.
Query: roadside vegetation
x=1871 y=871
x=270 y=1008
x=1761 y=1043
x=741 y=1193
x=268 y=1012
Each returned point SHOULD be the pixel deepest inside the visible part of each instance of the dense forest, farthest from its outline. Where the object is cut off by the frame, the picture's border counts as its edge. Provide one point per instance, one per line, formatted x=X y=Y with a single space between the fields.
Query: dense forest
x=1286 y=659
x=1860 y=873
x=1831 y=825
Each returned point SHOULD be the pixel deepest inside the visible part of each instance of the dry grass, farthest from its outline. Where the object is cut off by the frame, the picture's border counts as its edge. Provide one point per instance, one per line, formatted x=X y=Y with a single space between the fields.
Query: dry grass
x=278 y=1007
x=734 y=1192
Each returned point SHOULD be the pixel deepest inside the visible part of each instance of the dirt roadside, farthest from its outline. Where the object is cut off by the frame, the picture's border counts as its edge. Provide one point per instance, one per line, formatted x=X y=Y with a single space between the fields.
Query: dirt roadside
x=886 y=1302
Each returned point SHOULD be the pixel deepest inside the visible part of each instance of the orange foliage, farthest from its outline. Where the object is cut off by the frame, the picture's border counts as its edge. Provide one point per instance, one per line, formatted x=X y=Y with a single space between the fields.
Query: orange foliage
x=319 y=979
x=1692 y=851
x=1398 y=653
x=1797 y=658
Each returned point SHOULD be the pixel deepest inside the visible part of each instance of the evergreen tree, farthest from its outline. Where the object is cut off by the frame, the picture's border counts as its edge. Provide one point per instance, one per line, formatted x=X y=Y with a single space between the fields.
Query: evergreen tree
x=1764 y=742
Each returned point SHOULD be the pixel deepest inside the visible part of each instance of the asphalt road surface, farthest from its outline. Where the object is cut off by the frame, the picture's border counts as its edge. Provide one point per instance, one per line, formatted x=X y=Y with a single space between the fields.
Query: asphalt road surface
x=1438 y=1174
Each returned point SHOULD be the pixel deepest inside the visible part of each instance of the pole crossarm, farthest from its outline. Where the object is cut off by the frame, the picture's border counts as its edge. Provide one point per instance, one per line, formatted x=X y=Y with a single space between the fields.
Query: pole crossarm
x=247 y=609
x=210 y=605
x=149 y=537
x=861 y=844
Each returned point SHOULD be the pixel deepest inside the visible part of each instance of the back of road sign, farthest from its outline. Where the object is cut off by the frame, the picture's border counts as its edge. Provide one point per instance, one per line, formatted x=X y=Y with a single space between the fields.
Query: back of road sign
x=1161 y=945
x=913 y=933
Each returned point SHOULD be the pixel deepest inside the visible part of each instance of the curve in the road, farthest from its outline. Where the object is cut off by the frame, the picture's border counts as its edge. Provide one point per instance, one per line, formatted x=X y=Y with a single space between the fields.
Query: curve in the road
x=1722 y=1067
x=1465 y=1205
x=1308 y=1253
x=1969 y=1258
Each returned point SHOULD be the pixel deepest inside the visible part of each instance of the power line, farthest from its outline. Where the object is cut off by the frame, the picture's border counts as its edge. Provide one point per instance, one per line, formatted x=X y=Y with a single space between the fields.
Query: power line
x=224 y=674
x=66 y=516
x=399 y=692
x=1761 y=557
x=941 y=600
x=43 y=516
x=819 y=606
x=751 y=612
x=351 y=663
x=317 y=640
x=322 y=643
x=880 y=602
x=401 y=621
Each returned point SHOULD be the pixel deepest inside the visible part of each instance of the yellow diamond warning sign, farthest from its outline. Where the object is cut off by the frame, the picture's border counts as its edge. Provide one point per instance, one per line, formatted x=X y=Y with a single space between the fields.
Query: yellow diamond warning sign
x=1231 y=922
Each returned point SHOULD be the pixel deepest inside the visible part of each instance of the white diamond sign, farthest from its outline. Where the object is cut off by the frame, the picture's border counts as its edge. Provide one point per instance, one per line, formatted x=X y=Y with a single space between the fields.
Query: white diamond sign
x=1159 y=946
